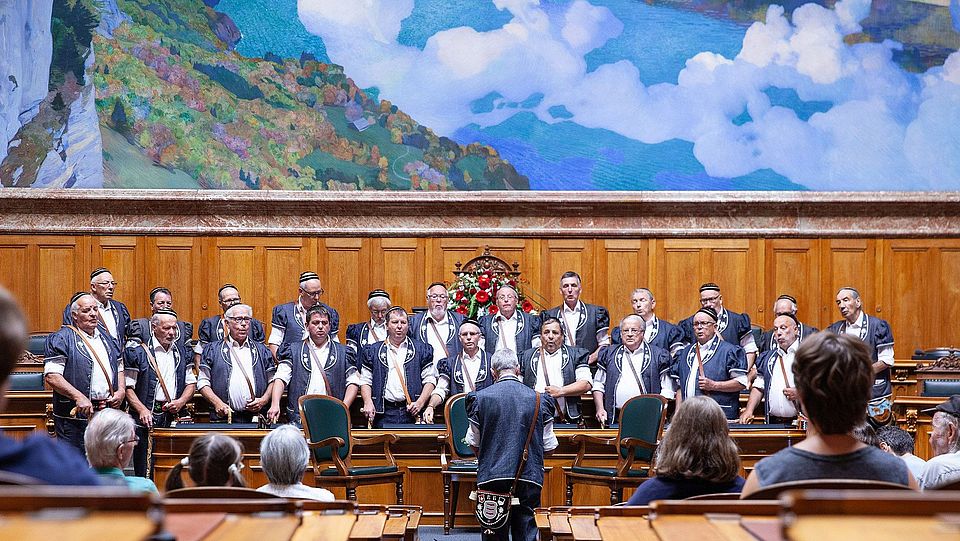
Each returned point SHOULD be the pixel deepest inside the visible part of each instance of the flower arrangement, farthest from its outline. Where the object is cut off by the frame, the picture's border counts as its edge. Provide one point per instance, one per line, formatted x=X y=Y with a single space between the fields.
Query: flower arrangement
x=474 y=294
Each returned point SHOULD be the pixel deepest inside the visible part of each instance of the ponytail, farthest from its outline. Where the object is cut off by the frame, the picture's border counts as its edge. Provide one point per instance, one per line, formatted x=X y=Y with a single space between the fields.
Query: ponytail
x=174 y=479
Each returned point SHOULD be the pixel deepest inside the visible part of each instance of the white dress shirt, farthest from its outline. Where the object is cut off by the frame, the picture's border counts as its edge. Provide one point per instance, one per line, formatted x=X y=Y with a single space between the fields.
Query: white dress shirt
x=237 y=387
x=109 y=321
x=439 y=344
x=884 y=353
x=99 y=386
x=377 y=332
x=471 y=369
x=571 y=317
x=507 y=327
x=277 y=334
x=555 y=371
x=396 y=356
x=778 y=404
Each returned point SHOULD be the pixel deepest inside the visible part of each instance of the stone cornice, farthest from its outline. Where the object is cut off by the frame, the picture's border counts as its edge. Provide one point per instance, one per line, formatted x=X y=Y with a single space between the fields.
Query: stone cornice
x=515 y=214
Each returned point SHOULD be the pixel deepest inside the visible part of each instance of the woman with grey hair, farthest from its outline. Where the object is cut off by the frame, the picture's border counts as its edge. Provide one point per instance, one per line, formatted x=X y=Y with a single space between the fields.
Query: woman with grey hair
x=284 y=456
x=109 y=441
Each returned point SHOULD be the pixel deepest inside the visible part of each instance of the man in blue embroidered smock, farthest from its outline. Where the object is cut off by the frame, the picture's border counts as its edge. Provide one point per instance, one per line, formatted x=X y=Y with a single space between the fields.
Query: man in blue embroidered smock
x=289 y=322
x=630 y=369
x=509 y=328
x=559 y=370
x=878 y=337
x=438 y=327
x=159 y=380
x=731 y=327
x=236 y=373
x=212 y=328
x=360 y=335
x=657 y=332
x=396 y=375
x=774 y=381
x=112 y=316
x=500 y=419
x=785 y=305
x=141 y=329
x=711 y=366
x=585 y=325
x=83 y=365
x=467 y=372
x=315 y=365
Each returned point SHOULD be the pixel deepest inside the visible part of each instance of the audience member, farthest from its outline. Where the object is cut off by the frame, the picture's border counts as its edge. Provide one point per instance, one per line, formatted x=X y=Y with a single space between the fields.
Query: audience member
x=944 y=467
x=898 y=441
x=38 y=456
x=284 y=456
x=110 y=439
x=866 y=434
x=834 y=377
x=697 y=456
x=214 y=461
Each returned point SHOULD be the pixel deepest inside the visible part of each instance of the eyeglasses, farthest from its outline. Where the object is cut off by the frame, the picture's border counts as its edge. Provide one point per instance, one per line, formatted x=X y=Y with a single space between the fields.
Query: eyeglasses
x=437 y=297
x=240 y=319
x=135 y=440
x=708 y=300
x=701 y=324
x=315 y=294
x=105 y=283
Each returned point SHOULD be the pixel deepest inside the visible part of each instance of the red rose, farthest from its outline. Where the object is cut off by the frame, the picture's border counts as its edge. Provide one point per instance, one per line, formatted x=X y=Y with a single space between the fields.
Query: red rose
x=462 y=310
x=483 y=282
x=459 y=295
x=473 y=291
x=493 y=309
x=526 y=306
x=482 y=297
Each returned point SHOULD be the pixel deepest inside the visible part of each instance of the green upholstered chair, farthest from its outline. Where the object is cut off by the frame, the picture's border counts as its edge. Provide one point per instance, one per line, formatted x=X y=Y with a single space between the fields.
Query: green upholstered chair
x=37 y=344
x=326 y=422
x=641 y=425
x=463 y=463
x=26 y=381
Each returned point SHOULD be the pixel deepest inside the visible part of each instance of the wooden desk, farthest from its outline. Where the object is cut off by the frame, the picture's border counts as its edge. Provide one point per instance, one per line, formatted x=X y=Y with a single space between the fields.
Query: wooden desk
x=845 y=528
x=73 y=526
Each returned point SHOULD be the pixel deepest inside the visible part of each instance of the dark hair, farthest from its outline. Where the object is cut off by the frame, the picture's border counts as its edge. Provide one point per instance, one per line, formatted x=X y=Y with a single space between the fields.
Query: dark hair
x=550 y=319
x=13 y=334
x=698 y=444
x=212 y=462
x=866 y=434
x=834 y=378
x=154 y=291
x=571 y=274
x=317 y=309
x=899 y=440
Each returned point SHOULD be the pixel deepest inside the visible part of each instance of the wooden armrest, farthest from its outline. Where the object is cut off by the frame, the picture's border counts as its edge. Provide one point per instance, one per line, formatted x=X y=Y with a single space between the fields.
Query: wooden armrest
x=334 y=442
x=587 y=438
x=631 y=443
x=373 y=440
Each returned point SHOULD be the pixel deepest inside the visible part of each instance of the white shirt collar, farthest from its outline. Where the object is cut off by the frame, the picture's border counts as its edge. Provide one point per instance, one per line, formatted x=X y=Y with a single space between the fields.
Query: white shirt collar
x=792 y=349
x=515 y=316
x=233 y=343
x=441 y=321
x=314 y=346
x=576 y=307
x=859 y=322
x=156 y=346
x=475 y=357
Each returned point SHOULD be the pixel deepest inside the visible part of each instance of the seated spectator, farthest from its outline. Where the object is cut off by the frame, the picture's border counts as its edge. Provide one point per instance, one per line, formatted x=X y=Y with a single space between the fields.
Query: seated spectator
x=697 y=456
x=284 y=456
x=866 y=434
x=944 y=468
x=109 y=441
x=898 y=441
x=37 y=456
x=834 y=376
x=215 y=460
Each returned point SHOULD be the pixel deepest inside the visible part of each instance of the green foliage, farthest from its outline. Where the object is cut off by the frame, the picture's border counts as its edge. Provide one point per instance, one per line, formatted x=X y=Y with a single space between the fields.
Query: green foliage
x=71 y=27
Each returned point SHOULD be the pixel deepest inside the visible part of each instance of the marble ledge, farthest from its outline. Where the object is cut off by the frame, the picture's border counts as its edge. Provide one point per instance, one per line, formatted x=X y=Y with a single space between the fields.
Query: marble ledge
x=516 y=214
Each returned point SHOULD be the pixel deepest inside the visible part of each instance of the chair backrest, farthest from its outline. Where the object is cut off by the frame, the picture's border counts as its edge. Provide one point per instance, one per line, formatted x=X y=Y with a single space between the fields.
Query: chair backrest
x=772 y=492
x=940 y=387
x=702 y=507
x=716 y=496
x=885 y=503
x=325 y=417
x=37 y=344
x=455 y=415
x=26 y=381
x=642 y=417
x=227 y=493
x=15 y=479
x=35 y=498
x=231 y=505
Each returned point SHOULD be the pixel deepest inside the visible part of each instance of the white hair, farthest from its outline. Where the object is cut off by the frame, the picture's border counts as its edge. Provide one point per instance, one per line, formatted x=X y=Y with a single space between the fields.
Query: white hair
x=943 y=419
x=503 y=361
x=239 y=309
x=75 y=306
x=631 y=317
x=106 y=432
x=284 y=455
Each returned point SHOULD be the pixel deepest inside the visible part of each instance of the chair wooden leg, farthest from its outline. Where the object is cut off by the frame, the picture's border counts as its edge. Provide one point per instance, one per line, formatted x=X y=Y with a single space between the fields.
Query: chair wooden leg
x=400 y=491
x=446 y=505
x=569 y=492
x=352 y=493
x=616 y=494
x=453 y=503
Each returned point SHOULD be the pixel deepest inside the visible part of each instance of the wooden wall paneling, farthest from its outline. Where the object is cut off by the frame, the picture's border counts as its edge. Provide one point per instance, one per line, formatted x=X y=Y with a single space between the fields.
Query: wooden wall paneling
x=678 y=277
x=59 y=257
x=792 y=267
x=278 y=280
x=404 y=270
x=176 y=264
x=346 y=281
x=910 y=287
x=622 y=267
x=234 y=262
x=948 y=291
x=561 y=255
x=124 y=256
x=735 y=266
x=847 y=262
x=18 y=267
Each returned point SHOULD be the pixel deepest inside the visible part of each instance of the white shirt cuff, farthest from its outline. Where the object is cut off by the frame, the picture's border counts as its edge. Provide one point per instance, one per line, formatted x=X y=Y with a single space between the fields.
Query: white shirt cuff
x=276 y=336
x=885 y=355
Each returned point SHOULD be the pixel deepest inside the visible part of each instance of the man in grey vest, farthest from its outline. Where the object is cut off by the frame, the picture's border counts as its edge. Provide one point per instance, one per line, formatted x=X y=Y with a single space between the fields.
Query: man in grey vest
x=500 y=419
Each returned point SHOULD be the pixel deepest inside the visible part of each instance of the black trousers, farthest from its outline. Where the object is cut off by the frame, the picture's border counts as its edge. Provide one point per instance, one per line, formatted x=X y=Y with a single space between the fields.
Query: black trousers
x=394 y=413
x=160 y=420
x=522 y=526
x=71 y=431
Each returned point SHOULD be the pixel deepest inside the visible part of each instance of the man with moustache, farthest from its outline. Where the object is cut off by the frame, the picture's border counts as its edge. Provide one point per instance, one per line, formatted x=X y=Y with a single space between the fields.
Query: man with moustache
x=509 y=328
x=630 y=369
x=711 y=366
x=396 y=375
x=730 y=327
x=657 y=332
x=236 y=372
x=160 y=299
x=83 y=365
x=560 y=370
x=315 y=365
x=113 y=316
x=159 y=381
x=584 y=325
x=438 y=326
x=878 y=337
x=289 y=320
x=774 y=381
x=360 y=335
x=785 y=305
x=469 y=371
x=212 y=328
